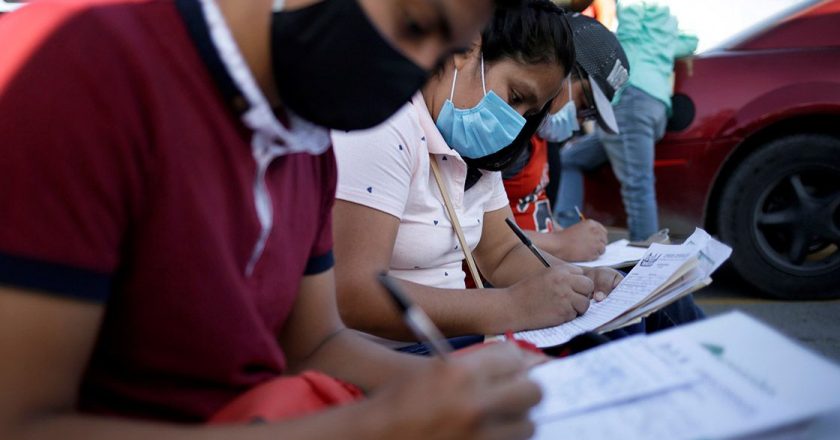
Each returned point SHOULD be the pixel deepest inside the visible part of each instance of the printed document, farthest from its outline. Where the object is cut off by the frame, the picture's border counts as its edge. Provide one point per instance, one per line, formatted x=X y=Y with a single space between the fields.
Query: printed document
x=739 y=378
x=665 y=273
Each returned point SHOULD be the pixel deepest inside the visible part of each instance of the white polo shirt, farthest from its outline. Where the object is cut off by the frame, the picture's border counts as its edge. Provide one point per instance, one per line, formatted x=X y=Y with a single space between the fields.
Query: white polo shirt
x=387 y=168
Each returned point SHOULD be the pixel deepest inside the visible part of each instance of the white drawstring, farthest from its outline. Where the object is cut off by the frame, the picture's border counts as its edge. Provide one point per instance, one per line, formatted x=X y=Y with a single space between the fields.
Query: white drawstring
x=302 y=137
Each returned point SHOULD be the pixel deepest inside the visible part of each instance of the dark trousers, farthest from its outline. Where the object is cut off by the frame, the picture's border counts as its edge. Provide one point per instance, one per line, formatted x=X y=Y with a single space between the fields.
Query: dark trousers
x=679 y=312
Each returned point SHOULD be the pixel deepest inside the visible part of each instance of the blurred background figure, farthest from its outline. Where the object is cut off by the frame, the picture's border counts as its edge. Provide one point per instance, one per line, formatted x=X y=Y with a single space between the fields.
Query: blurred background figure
x=604 y=12
x=652 y=40
x=601 y=10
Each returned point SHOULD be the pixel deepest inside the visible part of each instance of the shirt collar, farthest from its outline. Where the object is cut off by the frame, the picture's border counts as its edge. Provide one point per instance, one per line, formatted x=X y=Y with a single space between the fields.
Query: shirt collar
x=193 y=17
x=434 y=140
x=235 y=81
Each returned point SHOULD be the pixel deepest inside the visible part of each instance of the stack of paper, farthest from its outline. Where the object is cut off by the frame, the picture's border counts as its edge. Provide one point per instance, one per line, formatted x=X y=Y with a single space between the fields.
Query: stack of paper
x=665 y=274
x=721 y=378
x=617 y=254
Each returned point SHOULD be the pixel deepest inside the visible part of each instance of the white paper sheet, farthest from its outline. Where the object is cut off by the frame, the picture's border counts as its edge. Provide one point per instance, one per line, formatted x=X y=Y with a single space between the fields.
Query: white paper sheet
x=664 y=268
x=660 y=263
x=617 y=254
x=751 y=380
x=606 y=375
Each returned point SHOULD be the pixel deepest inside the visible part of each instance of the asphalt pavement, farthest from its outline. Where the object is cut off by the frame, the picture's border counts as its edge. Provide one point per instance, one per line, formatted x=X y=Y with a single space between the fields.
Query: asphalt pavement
x=816 y=324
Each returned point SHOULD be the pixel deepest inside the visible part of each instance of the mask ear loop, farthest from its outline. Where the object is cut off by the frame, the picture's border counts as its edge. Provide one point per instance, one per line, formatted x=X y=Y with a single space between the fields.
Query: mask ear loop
x=483 y=86
x=454 y=78
x=571 y=98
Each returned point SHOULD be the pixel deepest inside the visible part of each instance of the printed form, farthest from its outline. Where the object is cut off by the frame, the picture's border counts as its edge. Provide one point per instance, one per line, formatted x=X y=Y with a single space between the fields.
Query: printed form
x=660 y=264
x=606 y=375
x=674 y=269
x=747 y=380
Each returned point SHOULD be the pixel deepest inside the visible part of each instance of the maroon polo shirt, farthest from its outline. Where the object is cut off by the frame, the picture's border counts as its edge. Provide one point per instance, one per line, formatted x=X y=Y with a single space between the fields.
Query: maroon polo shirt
x=127 y=179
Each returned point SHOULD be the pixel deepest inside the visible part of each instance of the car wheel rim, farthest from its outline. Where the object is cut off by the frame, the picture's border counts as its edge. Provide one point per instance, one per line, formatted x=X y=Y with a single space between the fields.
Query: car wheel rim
x=797 y=221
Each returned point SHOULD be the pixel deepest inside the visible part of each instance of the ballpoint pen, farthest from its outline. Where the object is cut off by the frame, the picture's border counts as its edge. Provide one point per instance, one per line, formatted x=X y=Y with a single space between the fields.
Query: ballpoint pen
x=580 y=214
x=526 y=241
x=416 y=319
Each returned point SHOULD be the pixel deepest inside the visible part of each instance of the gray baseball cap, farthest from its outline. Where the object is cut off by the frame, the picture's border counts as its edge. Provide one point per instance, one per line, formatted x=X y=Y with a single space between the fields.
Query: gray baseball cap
x=603 y=62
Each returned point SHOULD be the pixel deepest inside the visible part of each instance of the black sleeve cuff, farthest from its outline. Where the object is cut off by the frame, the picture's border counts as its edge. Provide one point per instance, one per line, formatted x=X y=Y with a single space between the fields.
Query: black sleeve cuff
x=321 y=263
x=52 y=278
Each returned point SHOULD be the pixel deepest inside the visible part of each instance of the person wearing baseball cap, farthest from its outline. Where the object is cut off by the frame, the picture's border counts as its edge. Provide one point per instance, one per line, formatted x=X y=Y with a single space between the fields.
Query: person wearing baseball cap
x=651 y=40
x=601 y=69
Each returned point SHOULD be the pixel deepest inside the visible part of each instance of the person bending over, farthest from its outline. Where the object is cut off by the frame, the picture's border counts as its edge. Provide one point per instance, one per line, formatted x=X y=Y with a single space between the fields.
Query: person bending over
x=598 y=54
x=390 y=214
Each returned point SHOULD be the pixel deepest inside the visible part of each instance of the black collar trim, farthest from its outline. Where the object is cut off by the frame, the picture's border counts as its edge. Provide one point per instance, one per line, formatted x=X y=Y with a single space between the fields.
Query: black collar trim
x=193 y=16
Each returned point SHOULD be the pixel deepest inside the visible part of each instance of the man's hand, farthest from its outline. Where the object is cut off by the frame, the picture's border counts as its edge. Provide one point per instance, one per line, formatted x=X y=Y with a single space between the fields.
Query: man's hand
x=481 y=395
x=583 y=241
x=605 y=279
x=554 y=296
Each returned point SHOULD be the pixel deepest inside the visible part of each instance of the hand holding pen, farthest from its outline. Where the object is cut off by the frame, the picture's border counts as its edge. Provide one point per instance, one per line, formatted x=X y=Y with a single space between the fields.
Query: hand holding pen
x=557 y=295
x=603 y=277
x=490 y=384
x=416 y=319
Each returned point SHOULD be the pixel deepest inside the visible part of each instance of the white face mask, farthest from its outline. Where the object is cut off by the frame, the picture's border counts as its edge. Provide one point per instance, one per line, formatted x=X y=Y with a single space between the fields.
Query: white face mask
x=560 y=126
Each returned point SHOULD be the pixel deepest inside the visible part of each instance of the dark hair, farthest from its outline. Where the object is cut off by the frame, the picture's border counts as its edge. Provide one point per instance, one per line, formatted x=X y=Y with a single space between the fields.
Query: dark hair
x=536 y=32
x=507 y=3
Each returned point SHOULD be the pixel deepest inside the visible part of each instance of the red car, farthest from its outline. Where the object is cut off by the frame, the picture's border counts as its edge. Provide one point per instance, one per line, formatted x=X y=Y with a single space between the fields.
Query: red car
x=753 y=154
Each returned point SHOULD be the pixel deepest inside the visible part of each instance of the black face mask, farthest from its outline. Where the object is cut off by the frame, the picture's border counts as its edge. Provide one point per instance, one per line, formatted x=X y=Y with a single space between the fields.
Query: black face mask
x=333 y=68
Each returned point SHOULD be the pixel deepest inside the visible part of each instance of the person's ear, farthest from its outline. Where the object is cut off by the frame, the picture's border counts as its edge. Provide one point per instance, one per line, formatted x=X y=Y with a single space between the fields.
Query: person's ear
x=462 y=58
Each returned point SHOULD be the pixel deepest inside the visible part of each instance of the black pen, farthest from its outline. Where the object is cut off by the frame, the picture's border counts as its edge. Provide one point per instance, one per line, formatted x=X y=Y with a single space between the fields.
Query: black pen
x=526 y=241
x=416 y=319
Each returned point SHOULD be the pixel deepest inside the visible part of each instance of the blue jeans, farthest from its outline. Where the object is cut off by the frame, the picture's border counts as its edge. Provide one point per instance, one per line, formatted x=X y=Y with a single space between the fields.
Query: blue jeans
x=641 y=120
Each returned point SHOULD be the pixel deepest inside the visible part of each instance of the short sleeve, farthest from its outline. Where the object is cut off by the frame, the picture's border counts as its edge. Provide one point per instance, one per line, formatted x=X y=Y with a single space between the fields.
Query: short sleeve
x=66 y=171
x=375 y=166
x=499 y=199
x=321 y=256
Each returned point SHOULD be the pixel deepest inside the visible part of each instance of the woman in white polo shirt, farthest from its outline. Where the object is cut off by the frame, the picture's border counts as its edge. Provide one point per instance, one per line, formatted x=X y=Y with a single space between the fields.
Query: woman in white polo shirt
x=390 y=215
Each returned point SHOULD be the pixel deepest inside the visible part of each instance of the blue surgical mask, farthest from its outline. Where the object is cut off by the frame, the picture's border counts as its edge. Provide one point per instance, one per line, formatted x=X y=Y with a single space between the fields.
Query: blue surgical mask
x=482 y=130
x=560 y=126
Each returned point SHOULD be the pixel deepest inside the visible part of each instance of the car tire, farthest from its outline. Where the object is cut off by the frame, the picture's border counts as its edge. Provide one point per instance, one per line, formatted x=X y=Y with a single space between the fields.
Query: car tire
x=780 y=212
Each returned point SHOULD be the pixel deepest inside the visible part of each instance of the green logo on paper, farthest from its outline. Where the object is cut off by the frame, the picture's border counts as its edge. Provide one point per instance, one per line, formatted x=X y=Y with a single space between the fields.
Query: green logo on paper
x=716 y=350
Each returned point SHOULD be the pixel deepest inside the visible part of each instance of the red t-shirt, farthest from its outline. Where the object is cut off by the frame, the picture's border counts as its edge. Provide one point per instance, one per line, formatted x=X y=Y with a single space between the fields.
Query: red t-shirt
x=126 y=178
x=526 y=190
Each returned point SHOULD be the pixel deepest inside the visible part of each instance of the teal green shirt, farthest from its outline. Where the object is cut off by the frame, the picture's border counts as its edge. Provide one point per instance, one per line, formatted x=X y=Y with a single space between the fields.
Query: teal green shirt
x=652 y=40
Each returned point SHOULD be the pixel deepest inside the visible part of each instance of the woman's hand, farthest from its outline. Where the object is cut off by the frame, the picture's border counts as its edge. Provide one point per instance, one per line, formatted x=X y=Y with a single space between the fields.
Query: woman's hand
x=551 y=297
x=583 y=241
x=605 y=279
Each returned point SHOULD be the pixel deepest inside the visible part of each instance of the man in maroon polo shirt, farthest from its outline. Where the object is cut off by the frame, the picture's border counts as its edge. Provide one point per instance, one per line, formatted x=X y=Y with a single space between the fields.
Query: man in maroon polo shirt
x=166 y=188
